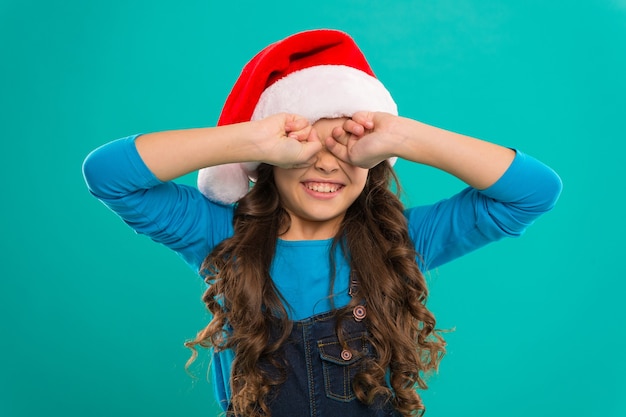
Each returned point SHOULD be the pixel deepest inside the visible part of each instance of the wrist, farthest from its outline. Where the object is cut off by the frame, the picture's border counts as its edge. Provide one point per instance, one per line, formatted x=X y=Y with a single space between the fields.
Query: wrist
x=403 y=137
x=255 y=136
x=244 y=142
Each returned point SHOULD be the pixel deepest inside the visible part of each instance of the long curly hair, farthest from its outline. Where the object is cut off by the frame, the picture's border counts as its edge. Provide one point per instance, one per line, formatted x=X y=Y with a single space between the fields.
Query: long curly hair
x=250 y=317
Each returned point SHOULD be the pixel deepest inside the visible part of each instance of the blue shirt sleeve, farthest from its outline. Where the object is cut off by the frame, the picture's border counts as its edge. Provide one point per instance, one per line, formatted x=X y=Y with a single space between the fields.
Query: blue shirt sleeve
x=176 y=215
x=473 y=218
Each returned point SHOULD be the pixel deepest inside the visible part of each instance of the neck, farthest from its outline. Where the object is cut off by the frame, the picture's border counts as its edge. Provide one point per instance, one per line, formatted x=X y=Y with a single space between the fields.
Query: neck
x=311 y=230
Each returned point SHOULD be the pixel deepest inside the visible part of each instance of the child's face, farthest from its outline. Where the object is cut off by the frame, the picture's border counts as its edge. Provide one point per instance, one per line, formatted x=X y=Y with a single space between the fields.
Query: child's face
x=318 y=196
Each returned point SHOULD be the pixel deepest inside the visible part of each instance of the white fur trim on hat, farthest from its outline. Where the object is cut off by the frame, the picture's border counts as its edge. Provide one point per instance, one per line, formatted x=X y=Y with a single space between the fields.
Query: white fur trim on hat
x=324 y=91
x=223 y=183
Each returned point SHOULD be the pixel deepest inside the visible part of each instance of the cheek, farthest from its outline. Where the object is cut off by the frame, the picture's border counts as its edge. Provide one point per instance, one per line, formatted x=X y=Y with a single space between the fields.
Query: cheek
x=281 y=187
x=360 y=178
x=286 y=180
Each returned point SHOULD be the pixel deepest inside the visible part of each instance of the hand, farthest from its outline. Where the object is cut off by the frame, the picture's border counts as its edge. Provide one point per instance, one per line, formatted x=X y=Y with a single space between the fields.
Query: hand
x=364 y=140
x=286 y=141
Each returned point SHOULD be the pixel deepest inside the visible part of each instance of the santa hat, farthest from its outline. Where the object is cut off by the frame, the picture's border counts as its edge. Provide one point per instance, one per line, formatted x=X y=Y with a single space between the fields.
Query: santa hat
x=316 y=74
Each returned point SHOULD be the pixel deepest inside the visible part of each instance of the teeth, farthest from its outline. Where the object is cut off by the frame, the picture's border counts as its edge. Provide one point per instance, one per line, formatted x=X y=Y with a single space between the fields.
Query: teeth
x=323 y=188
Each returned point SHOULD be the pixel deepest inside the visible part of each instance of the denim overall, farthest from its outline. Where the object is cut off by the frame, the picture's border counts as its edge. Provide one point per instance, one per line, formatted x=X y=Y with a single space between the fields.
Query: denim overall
x=320 y=370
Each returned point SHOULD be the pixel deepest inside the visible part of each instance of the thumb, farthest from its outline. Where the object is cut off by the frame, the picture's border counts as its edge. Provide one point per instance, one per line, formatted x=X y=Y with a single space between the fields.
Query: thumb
x=308 y=151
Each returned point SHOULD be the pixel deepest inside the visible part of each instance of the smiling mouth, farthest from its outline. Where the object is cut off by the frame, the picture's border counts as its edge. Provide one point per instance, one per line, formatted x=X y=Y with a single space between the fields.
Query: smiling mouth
x=323 y=187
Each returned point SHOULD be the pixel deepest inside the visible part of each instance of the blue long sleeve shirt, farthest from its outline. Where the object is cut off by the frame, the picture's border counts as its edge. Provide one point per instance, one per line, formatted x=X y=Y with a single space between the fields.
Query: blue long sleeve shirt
x=181 y=218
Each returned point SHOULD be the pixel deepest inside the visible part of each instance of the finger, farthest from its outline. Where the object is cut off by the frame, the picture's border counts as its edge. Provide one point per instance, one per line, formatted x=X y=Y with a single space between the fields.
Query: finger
x=354 y=127
x=308 y=152
x=364 y=118
x=337 y=148
x=313 y=137
x=297 y=120
x=340 y=135
x=301 y=134
x=295 y=123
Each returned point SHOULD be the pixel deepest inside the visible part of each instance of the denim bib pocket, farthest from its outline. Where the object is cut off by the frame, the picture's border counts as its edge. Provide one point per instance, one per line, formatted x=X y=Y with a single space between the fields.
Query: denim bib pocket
x=340 y=364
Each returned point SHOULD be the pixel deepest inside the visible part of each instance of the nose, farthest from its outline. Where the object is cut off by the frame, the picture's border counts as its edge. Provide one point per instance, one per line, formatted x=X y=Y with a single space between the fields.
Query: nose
x=326 y=162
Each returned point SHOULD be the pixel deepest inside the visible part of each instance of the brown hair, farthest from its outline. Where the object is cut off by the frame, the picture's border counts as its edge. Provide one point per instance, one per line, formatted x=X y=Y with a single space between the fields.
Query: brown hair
x=246 y=305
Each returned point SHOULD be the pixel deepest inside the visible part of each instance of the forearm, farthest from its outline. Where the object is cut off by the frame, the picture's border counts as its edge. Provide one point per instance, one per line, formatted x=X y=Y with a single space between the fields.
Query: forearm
x=282 y=140
x=476 y=162
x=171 y=154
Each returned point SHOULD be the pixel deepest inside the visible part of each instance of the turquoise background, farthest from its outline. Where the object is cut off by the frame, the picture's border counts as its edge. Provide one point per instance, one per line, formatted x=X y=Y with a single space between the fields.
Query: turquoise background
x=93 y=317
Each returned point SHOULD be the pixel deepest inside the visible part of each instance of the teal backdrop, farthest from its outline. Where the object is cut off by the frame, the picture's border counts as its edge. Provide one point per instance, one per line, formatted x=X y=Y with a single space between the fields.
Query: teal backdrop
x=93 y=317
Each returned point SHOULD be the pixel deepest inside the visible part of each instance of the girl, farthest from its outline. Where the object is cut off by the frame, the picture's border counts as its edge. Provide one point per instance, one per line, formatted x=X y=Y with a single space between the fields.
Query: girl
x=314 y=273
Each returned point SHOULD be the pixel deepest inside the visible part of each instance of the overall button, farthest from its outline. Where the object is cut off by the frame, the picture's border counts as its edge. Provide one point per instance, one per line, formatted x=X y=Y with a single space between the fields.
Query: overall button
x=359 y=313
x=346 y=355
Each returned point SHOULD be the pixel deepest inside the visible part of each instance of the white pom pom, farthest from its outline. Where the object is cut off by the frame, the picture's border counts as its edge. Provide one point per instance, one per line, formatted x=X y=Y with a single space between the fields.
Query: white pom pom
x=223 y=183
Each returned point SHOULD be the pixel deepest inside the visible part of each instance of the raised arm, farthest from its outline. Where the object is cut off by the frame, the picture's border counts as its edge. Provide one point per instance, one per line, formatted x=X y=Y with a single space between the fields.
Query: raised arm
x=132 y=177
x=507 y=191
x=278 y=140
x=369 y=138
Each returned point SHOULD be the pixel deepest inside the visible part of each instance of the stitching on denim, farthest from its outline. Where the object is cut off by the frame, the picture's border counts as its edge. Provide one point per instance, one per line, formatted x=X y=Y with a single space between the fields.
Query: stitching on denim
x=334 y=365
x=310 y=378
x=332 y=341
x=347 y=394
x=347 y=382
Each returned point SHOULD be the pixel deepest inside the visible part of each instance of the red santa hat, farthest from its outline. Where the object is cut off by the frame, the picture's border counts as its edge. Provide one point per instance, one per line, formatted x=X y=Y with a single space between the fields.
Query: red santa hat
x=316 y=74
